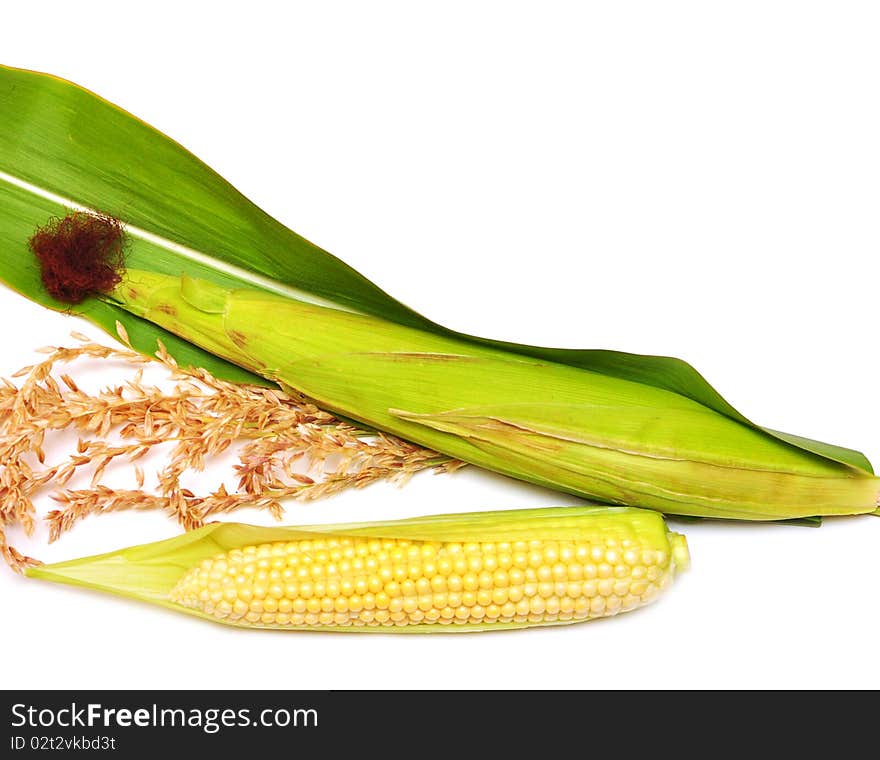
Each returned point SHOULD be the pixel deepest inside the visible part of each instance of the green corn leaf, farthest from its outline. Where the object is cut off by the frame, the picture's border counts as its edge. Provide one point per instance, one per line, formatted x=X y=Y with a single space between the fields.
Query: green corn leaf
x=63 y=147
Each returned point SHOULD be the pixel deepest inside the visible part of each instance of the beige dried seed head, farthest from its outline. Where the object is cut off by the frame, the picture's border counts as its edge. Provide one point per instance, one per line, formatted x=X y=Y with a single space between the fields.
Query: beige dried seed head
x=279 y=432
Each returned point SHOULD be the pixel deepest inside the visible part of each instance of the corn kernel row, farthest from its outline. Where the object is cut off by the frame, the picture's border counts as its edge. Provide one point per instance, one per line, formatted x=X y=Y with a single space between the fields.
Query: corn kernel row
x=367 y=582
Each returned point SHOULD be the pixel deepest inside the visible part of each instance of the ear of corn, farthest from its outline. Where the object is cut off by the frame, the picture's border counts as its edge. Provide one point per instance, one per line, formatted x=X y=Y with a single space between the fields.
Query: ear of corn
x=466 y=572
x=573 y=430
x=63 y=148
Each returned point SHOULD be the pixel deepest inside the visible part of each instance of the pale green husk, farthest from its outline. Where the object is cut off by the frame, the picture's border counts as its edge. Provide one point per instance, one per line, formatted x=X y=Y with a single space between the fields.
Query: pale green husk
x=585 y=433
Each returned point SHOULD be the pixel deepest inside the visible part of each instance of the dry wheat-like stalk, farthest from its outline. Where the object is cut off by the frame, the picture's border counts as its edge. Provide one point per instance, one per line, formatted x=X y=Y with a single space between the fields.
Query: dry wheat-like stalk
x=291 y=448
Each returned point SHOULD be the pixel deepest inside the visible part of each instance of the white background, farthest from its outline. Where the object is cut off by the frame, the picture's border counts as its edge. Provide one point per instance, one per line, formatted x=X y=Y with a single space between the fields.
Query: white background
x=685 y=178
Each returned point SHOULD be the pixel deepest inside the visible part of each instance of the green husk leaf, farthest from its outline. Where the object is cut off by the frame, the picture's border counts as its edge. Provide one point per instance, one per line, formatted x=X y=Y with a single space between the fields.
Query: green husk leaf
x=803 y=522
x=566 y=428
x=63 y=147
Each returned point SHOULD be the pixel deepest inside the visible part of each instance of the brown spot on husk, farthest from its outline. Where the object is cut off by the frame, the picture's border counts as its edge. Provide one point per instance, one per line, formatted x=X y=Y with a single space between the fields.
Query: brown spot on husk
x=239 y=338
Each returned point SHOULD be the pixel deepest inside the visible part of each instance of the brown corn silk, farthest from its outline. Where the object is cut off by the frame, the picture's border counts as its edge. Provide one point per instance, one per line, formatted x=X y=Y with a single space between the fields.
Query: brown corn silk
x=79 y=254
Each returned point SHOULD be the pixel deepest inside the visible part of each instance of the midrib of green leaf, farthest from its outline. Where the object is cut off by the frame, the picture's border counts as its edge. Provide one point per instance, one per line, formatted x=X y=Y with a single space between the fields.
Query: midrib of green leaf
x=153 y=249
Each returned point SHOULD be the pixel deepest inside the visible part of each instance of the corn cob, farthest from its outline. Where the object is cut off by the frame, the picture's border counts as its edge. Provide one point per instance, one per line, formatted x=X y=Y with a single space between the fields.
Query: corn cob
x=588 y=434
x=467 y=572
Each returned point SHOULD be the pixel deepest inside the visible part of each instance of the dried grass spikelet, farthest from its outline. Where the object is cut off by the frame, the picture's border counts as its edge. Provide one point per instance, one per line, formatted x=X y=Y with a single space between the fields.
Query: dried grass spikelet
x=291 y=448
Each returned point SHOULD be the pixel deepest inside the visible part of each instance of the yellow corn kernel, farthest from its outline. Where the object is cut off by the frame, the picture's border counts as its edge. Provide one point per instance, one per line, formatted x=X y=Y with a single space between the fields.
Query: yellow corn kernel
x=484 y=597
